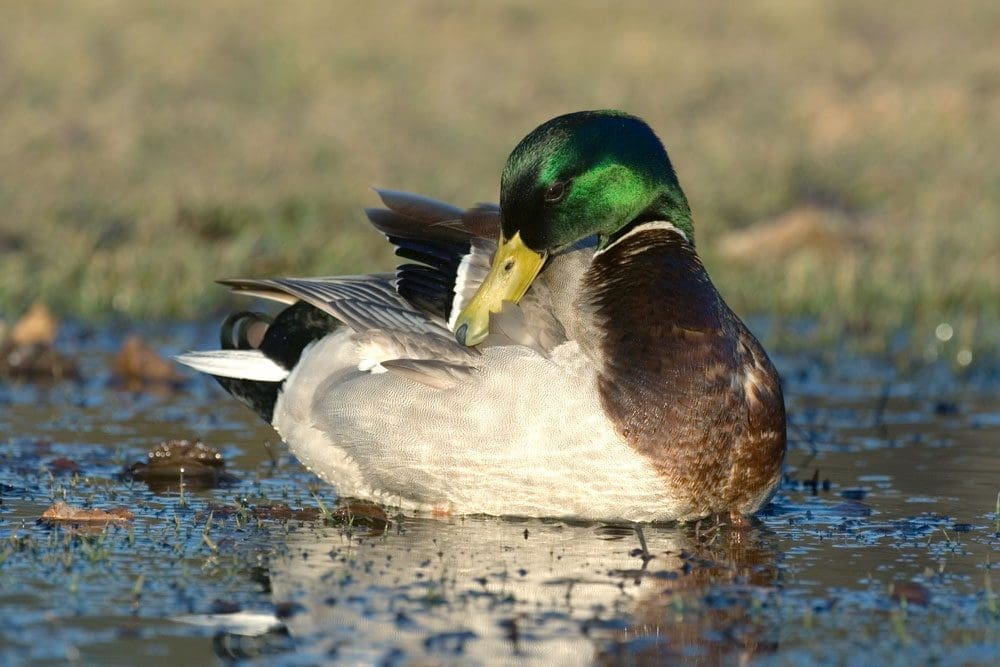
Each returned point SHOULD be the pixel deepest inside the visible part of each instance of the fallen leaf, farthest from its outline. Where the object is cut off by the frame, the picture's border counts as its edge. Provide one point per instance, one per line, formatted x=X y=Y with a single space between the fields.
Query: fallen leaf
x=62 y=512
x=172 y=461
x=139 y=365
x=27 y=353
x=911 y=592
x=35 y=361
x=361 y=513
x=64 y=464
x=37 y=326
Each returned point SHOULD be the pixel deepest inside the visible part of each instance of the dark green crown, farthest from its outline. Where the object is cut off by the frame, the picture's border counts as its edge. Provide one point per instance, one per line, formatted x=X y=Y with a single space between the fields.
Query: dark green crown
x=586 y=173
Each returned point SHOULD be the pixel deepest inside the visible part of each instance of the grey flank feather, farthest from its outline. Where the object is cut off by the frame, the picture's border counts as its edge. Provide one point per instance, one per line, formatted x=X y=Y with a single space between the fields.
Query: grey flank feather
x=430 y=372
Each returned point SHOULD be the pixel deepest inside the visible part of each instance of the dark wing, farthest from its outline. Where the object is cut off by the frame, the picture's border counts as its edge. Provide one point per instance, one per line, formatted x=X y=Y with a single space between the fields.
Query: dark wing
x=453 y=247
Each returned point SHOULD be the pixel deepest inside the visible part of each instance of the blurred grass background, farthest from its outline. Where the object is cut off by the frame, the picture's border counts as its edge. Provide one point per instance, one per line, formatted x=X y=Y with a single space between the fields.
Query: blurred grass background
x=840 y=158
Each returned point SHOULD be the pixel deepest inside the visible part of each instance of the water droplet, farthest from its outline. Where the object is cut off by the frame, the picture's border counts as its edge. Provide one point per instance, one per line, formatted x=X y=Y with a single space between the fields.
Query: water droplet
x=964 y=357
x=944 y=332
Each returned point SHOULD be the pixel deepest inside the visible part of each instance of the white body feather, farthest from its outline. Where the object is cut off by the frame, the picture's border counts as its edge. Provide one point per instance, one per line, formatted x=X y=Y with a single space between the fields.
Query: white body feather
x=486 y=445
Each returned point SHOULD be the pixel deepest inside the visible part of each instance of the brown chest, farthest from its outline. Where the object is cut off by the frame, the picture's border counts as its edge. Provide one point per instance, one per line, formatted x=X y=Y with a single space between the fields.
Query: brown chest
x=682 y=380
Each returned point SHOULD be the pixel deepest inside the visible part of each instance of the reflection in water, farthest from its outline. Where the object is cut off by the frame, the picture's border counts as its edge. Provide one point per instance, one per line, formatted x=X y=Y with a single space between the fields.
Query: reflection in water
x=491 y=590
x=711 y=610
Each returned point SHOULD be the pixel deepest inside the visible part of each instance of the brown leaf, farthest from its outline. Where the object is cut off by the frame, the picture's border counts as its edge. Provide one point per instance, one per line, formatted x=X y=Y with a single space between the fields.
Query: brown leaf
x=361 y=513
x=138 y=364
x=911 y=592
x=27 y=352
x=37 y=326
x=197 y=464
x=35 y=361
x=64 y=464
x=61 y=512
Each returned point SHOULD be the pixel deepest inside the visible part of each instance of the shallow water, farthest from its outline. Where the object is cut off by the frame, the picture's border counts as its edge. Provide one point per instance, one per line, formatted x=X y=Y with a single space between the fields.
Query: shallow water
x=878 y=547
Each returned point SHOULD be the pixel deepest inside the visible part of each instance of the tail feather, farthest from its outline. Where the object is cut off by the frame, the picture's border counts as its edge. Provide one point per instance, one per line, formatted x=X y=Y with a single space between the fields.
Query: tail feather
x=239 y=364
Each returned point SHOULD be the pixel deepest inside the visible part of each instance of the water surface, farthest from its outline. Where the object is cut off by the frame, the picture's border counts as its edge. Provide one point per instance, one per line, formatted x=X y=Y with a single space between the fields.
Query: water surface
x=878 y=548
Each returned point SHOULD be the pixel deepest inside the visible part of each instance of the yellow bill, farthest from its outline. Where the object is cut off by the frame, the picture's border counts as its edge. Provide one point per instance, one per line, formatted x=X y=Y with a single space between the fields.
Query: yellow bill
x=514 y=268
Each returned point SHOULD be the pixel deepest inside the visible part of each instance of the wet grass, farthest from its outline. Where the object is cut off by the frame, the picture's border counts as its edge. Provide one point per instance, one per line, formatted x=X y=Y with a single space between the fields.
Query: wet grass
x=157 y=149
x=880 y=546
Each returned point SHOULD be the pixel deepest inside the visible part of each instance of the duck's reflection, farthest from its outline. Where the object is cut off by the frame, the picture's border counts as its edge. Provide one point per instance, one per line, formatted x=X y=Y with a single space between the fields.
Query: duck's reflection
x=501 y=591
x=706 y=605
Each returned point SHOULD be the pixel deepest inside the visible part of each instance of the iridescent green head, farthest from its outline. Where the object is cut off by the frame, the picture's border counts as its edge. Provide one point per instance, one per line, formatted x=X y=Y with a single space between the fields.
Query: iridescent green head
x=586 y=173
x=576 y=176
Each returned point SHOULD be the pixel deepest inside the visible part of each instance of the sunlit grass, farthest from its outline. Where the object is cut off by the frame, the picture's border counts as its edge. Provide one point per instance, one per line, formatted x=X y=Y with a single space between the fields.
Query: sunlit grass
x=147 y=149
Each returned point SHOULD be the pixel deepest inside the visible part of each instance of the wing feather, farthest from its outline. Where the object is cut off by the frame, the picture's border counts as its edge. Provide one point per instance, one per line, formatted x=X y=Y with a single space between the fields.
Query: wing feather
x=443 y=239
x=361 y=302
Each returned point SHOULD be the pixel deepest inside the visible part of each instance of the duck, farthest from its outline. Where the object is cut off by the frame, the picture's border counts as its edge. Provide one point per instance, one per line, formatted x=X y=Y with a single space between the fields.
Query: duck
x=562 y=354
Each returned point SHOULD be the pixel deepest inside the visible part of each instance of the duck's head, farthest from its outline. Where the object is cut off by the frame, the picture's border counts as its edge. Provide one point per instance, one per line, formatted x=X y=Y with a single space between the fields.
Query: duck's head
x=590 y=173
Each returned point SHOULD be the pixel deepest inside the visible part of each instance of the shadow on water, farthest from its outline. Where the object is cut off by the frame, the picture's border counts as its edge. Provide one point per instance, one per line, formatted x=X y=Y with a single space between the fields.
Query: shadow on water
x=879 y=546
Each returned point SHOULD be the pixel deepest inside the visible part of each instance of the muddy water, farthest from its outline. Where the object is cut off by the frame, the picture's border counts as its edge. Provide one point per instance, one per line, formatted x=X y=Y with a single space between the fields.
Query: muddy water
x=879 y=547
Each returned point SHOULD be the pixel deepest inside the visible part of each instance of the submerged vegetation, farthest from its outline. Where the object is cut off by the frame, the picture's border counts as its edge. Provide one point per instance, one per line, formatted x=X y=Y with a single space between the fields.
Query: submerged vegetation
x=161 y=147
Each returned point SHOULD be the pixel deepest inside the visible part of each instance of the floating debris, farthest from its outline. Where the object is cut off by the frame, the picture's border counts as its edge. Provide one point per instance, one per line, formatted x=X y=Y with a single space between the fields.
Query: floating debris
x=910 y=592
x=139 y=367
x=359 y=513
x=61 y=512
x=28 y=351
x=173 y=462
x=38 y=326
x=63 y=465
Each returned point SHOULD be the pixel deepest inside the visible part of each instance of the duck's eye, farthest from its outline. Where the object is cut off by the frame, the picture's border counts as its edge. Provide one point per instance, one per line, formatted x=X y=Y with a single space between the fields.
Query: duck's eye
x=556 y=192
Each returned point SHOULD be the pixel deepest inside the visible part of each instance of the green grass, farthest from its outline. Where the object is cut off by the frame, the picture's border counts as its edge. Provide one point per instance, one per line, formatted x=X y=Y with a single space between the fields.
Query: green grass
x=148 y=148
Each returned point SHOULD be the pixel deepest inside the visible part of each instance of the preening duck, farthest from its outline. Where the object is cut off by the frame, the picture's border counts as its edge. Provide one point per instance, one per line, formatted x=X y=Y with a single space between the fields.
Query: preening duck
x=563 y=355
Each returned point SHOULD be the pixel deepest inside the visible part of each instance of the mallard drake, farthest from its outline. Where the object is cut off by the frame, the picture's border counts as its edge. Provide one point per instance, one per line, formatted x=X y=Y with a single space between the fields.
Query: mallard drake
x=562 y=355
